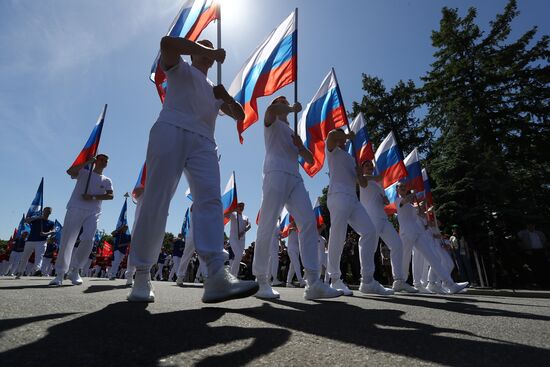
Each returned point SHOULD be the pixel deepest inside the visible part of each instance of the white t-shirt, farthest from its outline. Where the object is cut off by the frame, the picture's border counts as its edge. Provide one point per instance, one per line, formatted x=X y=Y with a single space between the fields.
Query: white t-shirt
x=342 y=176
x=234 y=230
x=372 y=198
x=408 y=218
x=190 y=102
x=99 y=185
x=280 y=152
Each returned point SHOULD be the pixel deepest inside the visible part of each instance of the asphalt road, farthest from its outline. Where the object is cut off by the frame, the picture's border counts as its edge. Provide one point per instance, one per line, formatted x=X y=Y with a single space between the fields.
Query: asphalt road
x=92 y=324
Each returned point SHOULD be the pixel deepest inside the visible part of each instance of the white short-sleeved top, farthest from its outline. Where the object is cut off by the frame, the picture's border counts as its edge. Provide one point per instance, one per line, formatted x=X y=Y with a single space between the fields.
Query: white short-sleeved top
x=341 y=167
x=190 y=102
x=99 y=185
x=372 y=198
x=280 y=152
x=408 y=219
x=236 y=227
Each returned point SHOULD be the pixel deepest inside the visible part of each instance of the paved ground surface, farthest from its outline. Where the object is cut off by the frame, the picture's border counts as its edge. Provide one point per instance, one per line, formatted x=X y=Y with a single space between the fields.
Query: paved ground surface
x=93 y=325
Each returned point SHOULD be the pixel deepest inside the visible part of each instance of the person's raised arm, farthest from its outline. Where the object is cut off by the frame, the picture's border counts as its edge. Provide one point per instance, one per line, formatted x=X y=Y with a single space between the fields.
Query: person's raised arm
x=279 y=109
x=302 y=150
x=172 y=47
x=230 y=107
x=74 y=170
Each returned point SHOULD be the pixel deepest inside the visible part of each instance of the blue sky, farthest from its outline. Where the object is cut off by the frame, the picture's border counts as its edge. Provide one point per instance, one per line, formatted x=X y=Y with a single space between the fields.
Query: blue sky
x=61 y=60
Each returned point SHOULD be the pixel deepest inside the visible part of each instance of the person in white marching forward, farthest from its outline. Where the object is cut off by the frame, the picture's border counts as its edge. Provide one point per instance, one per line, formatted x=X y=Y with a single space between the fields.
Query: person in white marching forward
x=83 y=211
x=374 y=199
x=293 y=250
x=237 y=236
x=182 y=141
x=345 y=208
x=283 y=185
x=413 y=235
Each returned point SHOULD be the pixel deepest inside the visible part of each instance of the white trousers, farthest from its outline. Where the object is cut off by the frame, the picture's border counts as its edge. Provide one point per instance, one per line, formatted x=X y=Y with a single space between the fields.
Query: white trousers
x=346 y=209
x=280 y=189
x=273 y=262
x=76 y=218
x=423 y=243
x=388 y=234
x=187 y=255
x=15 y=257
x=39 y=248
x=293 y=250
x=118 y=256
x=46 y=267
x=175 y=266
x=237 y=245
x=172 y=151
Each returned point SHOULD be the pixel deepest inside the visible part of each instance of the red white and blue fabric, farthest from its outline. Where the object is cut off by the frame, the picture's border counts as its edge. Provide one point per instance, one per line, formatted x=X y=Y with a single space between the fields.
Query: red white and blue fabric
x=324 y=113
x=389 y=161
x=361 y=143
x=427 y=194
x=90 y=148
x=318 y=216
x=192 y=19
x=229 y=198
x=140 y=183
x=122 y=218
x=285 y=223
x=271 y=66
x=413 y=181
x=38 y=202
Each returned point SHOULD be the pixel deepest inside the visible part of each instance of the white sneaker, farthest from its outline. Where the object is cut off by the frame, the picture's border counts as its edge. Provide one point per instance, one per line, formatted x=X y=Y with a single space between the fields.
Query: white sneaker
x=375 y=288
x=455 y=287
x=276 y=282
x=129 y=282
x=422 y=289
x=303 y=284
x=290 y=285
x=142 y=290
x=435 y=287
x=264 y=289
x=223 y=286
x=57 y=281
x=319 y=290
x=403 y=286
x=179 y=281
x=75 y=277
x=341 y=286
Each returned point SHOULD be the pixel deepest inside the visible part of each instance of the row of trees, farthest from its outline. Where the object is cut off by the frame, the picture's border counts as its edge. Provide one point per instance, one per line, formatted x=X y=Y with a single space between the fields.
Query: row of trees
x=480 y=120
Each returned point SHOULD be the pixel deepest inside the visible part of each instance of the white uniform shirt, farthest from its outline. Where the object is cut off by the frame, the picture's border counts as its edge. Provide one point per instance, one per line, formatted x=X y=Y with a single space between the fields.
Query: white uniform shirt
x=372 y=198
x=190 y=102
x=242 y=223
x=280 y=152
x=408 y=218
x=342 y=172
x=99 y=185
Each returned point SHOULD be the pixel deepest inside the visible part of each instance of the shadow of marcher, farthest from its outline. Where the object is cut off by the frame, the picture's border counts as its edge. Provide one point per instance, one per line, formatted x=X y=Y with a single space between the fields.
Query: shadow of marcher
x=7 y=324
x=125 y=334
x=104 y=288
x=387 y=331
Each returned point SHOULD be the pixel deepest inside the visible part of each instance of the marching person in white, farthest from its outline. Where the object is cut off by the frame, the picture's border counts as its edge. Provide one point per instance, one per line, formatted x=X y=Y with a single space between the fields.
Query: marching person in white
x=83 y=211
x=374 y=199
x=345 y=208
x=182 y=141
x=293 y=250
x=283 y=185
x=413 y=235
x=41 y=229
x=237 y=236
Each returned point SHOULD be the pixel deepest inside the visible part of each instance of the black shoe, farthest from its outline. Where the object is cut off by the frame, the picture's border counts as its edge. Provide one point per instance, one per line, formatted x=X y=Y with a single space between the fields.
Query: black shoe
x=37 y=273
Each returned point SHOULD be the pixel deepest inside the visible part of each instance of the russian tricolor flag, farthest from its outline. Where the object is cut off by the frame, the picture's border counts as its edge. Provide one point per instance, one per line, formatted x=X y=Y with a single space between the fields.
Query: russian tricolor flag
x=192 y=19
x=413 y=181
x=361 y=143
x=90 y=148
x=389 y=161
x=140 y=183
x=285 y=223
x=229 y=198
x=318 y=215
x=271 y=66
x=427 y=188
x=38 y=202
x=324 y=113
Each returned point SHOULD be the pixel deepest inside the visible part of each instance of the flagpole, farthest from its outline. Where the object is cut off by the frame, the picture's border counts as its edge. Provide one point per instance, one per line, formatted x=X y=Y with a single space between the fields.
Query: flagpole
x=296 y=74
x=347 y=120
x=219 y=27
x=236 y=212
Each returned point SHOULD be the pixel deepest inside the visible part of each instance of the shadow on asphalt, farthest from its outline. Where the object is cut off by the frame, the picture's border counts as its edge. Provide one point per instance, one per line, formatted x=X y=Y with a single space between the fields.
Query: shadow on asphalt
x=105 y=288
x=462 y=306
x=14 y=323
x=388 y=331
x=126 y=334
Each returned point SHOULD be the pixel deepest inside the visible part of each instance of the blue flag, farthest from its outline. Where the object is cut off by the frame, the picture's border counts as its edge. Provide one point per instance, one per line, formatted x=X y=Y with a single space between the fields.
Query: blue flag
x=57 y=227
x=35 y=209
x=186 y=224
x=122 y=219
x=23 y=227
